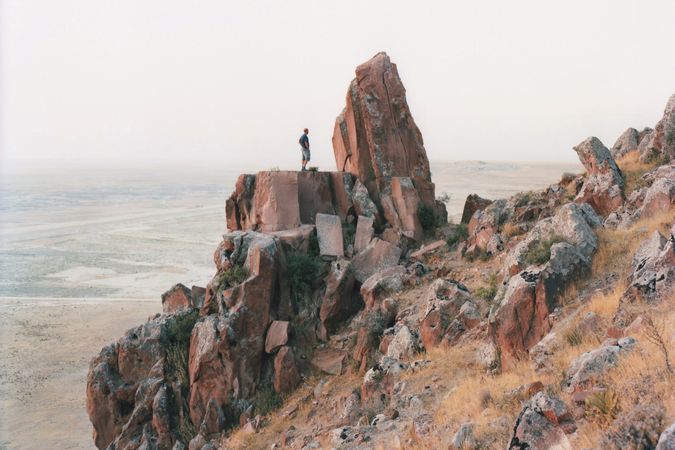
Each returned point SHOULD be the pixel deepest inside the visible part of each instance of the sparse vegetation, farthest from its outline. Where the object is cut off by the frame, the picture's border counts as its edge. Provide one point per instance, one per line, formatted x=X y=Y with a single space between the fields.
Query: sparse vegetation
x=427 y=217
x=266 y=399
x=459 y=234
x=488 y=291
x=523 y=199
x=655 y=331
x=540 y=252
x=233 y=276
x=348 y=233
x=573 y=336
x=603 y=406
x=302 y=271
x=444 y=198
x=511 y=229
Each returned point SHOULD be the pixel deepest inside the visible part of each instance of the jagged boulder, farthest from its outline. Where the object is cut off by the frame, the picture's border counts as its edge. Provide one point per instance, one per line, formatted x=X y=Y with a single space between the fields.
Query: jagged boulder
x=226 y=350
x=483 y=228
x=660 y=143
x=627 y=142
x=379 y=382
x=590 y=365
x=472 y=204
x=286 y=375
x=652 y=275
x=603 y=188
x=125 y=377
x=521 y=317
x=449 y=312
x=667 y=439
x=283 y=200
x=177 y=298
x=638 y=428
x=339 y=301
x=542 y=425
x=376 y=139
x=378 y=255
x=381 y=284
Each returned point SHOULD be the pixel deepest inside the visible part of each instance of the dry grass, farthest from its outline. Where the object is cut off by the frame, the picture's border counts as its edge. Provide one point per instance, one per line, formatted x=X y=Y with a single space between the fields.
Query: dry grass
x=632 y=170
x=616 y=247
x=605 y=304
x=511 y=229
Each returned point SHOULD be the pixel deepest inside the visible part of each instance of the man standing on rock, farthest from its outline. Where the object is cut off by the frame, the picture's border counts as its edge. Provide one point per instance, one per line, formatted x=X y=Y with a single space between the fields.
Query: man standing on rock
x=304 y=143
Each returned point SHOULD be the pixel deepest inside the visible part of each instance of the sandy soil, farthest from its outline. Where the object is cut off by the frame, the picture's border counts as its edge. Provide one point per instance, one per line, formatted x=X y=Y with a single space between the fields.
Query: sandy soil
x=46 y=345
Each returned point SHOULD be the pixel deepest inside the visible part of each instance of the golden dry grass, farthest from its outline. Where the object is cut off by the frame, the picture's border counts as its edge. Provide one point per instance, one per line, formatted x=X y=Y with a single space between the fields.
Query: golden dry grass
x=632 y=170
x=616 y=247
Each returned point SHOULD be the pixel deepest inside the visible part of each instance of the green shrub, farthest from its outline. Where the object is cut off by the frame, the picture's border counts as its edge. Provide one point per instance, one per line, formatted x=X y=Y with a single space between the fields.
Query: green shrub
x=459 y=234
x=233 y=276
x=488 y=292
x=427 y=217
x=540 y=252
x=314 y=249
x=523 y=199
x=266 y=399
x=348 y=234
x=302 y=271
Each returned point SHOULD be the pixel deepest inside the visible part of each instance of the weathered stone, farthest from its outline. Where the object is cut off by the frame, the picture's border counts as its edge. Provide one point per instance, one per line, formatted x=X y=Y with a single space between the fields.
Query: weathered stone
x=402 y=345
x=667 y=439
x=178 y=298
x=407 y=202
x=464 y=438
x=588 y=366
x=603 y=188
x=541 y=425
x=277 y=335
x=364 y=233
x=378 y=255
x=239 y=208
x=315 y=195
x=627 y=142
x=660 y=143
x=329 y=360
x=444 y=301
x=379 y=382
x=429 y=248
x=226 y=350
x=339 y=301
x=198 y=295
x=286 y=375
x=296 y=239
x=329 y=232
x=472 y=204
x=277 y=206
x=638 y=428
x=382 y=284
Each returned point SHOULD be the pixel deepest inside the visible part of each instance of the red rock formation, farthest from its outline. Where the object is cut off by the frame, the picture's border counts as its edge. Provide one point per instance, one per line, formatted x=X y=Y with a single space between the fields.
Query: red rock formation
x=603 y=188
x=375 y=138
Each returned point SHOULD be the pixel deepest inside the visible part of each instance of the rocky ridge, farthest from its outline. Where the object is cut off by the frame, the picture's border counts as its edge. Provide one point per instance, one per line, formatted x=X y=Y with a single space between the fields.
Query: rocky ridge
x=345 y=312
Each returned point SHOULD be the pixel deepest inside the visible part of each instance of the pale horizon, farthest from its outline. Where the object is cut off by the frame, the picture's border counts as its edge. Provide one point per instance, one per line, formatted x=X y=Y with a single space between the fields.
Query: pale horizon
x=96 y=84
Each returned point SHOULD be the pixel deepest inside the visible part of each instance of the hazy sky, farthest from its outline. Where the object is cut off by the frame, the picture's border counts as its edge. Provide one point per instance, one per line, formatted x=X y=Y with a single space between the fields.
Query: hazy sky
x=130 y=82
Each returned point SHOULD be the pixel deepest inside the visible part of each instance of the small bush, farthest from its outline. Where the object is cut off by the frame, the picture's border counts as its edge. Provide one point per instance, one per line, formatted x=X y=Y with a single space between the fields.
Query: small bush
x=233 y=276
x=540 y=252
x=459 y=234
x=523 y=199
x=302 y=271
x=427 y=217
x=603 y=407
x=314 y=249
x=348 y=234
x=444 y=198
x=266 y=399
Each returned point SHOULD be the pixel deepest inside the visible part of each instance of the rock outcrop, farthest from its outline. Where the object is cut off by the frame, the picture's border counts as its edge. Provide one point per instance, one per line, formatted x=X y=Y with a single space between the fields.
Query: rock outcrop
x=564 y=244
x=376 y=139
x=542 y=425
x=659 y=145
x=603 y=188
